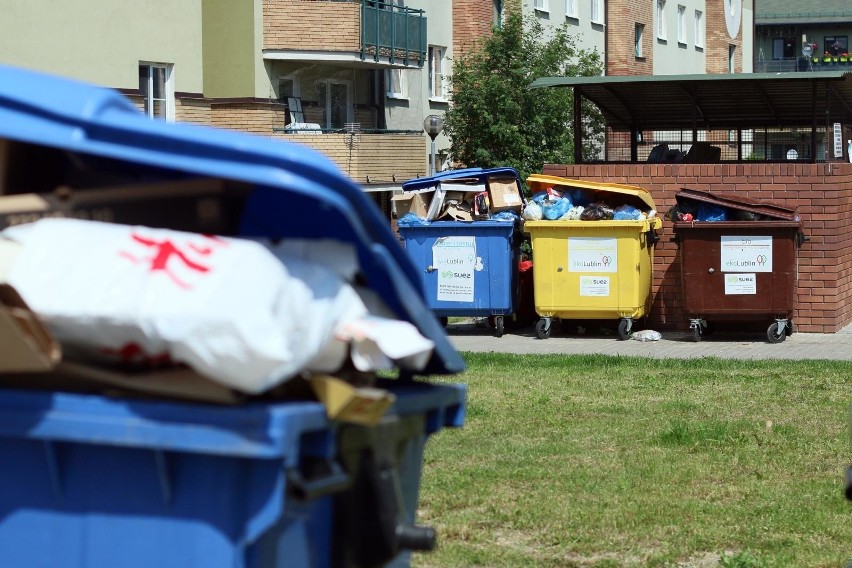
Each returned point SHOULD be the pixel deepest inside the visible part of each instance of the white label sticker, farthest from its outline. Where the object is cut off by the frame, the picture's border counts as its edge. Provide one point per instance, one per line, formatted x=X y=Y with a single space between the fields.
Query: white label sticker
x=594 y=285
x=454 y=259
x=512 y=199
x=590 y=254
x=740 y=284
x=746 y=254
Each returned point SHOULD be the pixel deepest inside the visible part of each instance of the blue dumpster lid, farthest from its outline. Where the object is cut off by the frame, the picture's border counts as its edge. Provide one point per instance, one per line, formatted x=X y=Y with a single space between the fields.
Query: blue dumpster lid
x=480 y=174
x=95 y=121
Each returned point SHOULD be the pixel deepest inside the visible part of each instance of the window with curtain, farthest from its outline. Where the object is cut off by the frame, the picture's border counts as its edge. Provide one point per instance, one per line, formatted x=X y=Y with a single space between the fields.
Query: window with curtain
x=661 y=19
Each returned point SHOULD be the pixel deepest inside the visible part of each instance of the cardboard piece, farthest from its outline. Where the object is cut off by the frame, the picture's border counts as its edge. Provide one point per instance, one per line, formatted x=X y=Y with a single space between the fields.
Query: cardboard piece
x=25 y=344
x=411 y=202
x=505 y=195
x=200 y=205
x=348 y=403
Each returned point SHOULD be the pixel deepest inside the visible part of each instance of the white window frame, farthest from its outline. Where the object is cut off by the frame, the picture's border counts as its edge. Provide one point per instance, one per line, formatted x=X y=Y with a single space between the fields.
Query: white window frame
x=699 y=29
x=326 y=110
x=168 y=97
x=661 y=20
x=681 y=24
x=638 y=37
x=572 y=9
x=597 y=12
x=400 y=82
x=732 y=62
x=437 y=73
x=541 y=5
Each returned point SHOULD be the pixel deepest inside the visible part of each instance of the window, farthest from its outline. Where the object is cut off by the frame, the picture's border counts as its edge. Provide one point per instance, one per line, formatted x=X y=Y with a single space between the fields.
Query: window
x=541 y=5
x=681 y=24
x=437 y=80
x=334 y=100
x=731 y=63
x=783 y=48
x=156 y=90
x=597 y=12
x=287 y=88
x=699 y=29
x=836 y=45
x=396 y=84
x=661 y=19
x=571 y=9
x=638 y=34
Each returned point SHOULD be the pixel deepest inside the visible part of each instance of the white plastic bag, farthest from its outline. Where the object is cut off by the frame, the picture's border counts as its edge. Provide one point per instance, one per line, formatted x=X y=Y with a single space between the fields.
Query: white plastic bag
x=646 y=335
x=229 y=308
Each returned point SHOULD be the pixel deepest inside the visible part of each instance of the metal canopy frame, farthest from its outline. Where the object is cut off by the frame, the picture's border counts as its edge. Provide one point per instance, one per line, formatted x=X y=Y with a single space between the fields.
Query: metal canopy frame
x=712 y=102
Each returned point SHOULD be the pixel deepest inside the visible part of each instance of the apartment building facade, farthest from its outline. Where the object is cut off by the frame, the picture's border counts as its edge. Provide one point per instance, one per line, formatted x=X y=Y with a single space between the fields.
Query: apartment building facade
x=356 y=77
x=805 y=37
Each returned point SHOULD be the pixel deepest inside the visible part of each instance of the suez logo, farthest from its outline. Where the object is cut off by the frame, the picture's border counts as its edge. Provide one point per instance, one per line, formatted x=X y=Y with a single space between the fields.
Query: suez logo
x=451 y=274
x=739 y=278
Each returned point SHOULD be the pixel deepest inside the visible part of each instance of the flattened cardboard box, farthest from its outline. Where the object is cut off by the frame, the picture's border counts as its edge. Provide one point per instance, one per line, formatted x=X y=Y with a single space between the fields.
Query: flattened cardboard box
x=25 y=344
x=347 y=403
x=411 y=202
x=505 y=195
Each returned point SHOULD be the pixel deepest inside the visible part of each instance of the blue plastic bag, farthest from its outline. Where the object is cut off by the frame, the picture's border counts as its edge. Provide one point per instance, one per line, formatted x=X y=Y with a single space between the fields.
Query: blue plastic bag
x=626 y=213
x=556 y=209
x=505 y=216
x=411 y=219
x=709 y=212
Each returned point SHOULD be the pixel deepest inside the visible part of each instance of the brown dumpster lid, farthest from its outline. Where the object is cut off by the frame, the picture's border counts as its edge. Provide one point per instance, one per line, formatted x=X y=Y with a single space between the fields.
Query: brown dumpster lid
x=741 y=203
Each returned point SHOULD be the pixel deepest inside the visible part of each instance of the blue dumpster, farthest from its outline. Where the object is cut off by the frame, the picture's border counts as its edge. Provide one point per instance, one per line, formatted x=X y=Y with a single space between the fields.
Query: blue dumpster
x=102 y=482
x=467 y=268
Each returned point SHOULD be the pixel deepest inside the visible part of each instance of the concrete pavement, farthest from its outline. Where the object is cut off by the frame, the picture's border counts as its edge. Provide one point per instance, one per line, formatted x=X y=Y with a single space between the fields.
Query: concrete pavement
x=474 y=334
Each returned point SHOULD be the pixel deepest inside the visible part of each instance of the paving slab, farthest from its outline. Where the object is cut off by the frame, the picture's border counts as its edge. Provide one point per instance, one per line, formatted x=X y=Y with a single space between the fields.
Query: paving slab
x=475 y=335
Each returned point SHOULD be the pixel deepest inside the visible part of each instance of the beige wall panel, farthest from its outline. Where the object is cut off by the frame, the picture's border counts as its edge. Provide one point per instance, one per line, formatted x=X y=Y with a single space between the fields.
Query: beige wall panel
x=102 y=41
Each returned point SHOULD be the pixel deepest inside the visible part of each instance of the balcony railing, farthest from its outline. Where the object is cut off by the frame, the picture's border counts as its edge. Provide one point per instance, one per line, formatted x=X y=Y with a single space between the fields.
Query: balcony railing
x=803 y=64
x=395 y=32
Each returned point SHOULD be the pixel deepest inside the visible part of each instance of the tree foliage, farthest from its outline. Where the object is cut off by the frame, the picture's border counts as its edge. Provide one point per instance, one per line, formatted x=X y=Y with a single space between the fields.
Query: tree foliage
x=496 y=120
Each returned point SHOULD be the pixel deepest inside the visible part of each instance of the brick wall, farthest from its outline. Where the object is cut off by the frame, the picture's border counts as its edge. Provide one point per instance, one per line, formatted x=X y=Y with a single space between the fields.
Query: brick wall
x=384 y=158
x=307 y=24
x=821 y=194
x=195 y=111
x=621 y=29
x=472 y=21
x=717 y=42
x=253 y=117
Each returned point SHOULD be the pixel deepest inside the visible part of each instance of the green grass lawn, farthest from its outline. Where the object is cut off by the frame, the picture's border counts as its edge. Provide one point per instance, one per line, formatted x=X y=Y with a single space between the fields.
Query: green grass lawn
x=619 y=461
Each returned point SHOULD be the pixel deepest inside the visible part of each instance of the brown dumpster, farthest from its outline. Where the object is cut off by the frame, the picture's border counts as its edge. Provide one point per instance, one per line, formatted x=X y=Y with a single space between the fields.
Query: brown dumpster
x=738 y=261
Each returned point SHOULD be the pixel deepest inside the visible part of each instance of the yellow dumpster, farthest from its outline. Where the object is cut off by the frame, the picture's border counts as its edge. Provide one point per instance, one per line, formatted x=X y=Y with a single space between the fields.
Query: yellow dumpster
x=593 y=269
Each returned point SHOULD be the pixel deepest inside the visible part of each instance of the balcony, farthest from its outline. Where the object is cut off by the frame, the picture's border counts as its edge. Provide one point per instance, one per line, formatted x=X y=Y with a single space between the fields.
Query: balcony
x=792 y=64
x=364 y=30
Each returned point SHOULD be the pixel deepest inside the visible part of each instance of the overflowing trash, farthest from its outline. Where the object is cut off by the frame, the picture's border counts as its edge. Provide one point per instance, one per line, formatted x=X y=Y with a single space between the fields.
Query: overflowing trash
x=461 y=229
x=593 y=248
x=471 y=194
x=593 y=202
x=249 y=314
x=703 y=206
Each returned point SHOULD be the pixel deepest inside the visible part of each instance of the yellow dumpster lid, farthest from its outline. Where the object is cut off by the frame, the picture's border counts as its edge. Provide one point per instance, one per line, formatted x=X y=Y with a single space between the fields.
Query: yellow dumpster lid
x=630 y=194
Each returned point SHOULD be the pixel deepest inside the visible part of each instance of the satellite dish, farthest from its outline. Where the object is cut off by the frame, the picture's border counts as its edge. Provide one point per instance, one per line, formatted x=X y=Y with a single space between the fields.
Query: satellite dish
x=792 y=154
x=733 y=15
x=807 y=50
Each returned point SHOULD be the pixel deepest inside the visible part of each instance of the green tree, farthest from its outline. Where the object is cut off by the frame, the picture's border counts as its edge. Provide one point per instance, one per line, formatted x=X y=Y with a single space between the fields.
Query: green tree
x=496 y=120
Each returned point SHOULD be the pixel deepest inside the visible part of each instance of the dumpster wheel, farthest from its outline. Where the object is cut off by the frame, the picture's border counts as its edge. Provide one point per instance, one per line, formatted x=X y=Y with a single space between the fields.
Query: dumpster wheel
x=624 y=327
x=543 y=328
x=499 y=328
x=777 y=332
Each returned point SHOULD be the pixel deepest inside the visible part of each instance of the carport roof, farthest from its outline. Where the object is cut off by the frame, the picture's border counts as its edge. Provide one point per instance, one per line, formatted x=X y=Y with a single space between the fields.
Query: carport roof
x=746 y=100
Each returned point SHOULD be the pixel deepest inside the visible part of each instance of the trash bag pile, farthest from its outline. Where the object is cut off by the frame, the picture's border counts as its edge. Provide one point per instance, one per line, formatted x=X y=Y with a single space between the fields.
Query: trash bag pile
x=559 y=203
